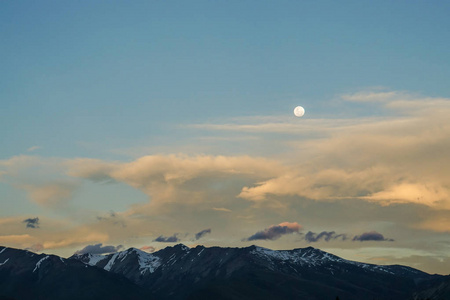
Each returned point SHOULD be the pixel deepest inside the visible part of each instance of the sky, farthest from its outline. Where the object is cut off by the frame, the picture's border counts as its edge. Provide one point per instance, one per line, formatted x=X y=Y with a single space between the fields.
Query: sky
x=149 y=123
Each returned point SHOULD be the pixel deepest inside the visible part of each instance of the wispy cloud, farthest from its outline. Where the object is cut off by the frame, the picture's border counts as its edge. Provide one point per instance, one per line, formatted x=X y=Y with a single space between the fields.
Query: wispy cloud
x=305 y=127
x=375 y=96
x=221 y=209
x=202 y=233
x=312 y=237
x=34 y=148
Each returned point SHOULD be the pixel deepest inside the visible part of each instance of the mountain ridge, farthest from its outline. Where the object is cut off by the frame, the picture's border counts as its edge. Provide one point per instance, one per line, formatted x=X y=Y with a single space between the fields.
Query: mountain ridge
x=180 y=272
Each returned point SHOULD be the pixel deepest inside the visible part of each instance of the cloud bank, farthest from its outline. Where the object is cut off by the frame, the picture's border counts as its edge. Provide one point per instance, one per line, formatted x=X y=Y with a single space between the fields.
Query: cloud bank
x=389 y=160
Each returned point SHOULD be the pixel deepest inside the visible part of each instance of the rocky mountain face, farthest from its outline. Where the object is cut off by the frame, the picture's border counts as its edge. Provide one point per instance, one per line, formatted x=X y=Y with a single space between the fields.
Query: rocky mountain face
x=180 y=272
x=437 y=288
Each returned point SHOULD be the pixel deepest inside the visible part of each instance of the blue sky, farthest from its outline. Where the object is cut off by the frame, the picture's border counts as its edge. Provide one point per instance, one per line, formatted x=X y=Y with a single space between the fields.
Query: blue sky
x=205 y=84
x=123 y=72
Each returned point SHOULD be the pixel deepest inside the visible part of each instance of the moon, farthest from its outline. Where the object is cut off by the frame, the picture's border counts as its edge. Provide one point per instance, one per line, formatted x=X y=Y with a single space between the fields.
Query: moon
x=299 y=111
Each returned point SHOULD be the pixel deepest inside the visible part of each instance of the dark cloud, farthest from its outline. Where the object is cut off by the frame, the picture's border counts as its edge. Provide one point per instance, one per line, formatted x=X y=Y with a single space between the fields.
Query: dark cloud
x=371 y=236
x=202 y=233
x=312 y=237
x=275 y=231
x=32 y=222
x=168 y=239
x=99 y=249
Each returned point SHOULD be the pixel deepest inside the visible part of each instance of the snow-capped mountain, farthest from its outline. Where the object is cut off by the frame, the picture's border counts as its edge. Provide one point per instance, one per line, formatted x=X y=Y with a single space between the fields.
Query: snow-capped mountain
x=180 y=272
x=133 y=260
x=132 y=263
x=177 y=272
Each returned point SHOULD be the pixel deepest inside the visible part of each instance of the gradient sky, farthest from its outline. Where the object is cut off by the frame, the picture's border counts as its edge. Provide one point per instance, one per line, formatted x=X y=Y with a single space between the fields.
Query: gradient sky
x=145 y=123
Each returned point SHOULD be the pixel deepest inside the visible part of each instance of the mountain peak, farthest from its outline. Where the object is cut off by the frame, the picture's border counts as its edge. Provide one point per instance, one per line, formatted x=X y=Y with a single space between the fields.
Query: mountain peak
x=181 y=247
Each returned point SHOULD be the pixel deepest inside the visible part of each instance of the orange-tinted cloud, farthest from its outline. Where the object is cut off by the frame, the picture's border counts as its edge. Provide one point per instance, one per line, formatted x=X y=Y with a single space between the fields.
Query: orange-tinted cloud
x=389 y=160
x=149 y=249
x=165 y=178
x=15 y=239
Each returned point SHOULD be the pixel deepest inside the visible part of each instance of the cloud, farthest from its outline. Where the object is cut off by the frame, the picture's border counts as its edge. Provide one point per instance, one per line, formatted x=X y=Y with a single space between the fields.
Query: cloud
x=308 y=127
x=99 y=249
x=15 y=239
x=94 y=169
x=439 y=223
x=374 y=96
x=177 y=178
x=327 y=236
x=32 y=222
x=42 y=178
x=35 y=247
x=202 y=233
x=112 y=218
x=58 y=233
x=406 y=192
x=371 y=236
x=169 y=239
x=221 y=209
x=77 y=236
x=390 y=160
x=52 y=193
x=34 y=148
x=149 y=249
x=274 y=232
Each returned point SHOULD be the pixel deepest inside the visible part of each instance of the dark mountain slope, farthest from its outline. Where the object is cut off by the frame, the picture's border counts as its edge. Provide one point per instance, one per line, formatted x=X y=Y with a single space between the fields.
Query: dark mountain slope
x=436 y=289
x=26 y=275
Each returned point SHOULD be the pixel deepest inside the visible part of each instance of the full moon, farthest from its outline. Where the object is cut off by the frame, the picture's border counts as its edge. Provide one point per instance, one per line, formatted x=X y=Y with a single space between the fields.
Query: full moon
x=299 y=111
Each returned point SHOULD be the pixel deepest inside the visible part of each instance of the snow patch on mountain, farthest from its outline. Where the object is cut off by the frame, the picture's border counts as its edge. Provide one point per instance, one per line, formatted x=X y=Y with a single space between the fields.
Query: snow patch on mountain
x=185 y=248
x=147 y=262
x=111 y=262
x=92 y=259
x=311 y=257
x=38 y=264
x=1 y=264
x=307 y=256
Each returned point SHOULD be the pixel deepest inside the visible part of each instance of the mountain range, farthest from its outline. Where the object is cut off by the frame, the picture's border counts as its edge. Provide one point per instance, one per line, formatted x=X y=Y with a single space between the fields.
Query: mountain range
x=180 y=272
